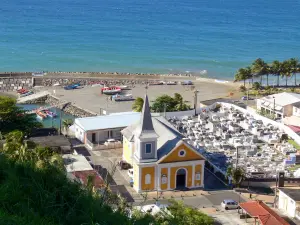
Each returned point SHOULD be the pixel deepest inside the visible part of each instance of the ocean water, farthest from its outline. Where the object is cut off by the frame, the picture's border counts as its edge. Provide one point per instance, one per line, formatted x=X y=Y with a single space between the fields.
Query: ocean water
x=210 y=37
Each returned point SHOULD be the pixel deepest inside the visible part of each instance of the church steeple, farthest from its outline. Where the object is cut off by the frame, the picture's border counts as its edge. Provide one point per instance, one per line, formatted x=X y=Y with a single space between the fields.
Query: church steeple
x=145 y=136
x=145 y=125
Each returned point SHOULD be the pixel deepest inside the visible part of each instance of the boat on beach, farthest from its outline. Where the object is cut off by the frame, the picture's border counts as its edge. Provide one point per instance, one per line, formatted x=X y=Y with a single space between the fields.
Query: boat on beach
x=56 y=84
x=41 y=115
x=21 y=91
x=25 y=94
x=171 y=83
x=123 y=87
x=157 y=83
x=118 y=97
x=111 y=90
x=72 y=86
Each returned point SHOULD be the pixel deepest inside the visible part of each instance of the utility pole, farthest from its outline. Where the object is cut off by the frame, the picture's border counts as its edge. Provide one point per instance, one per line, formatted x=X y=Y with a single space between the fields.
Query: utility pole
x=165 y=109
x=60 y=121
x=195 y=101
x=237 y=157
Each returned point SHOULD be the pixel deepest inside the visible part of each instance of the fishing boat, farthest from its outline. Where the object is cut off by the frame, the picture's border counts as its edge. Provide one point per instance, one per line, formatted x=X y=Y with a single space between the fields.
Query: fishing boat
x=171 y=83
x=72 y=86
x=21 y=91
x=26 y=94
x=118 y=97
x=123 y=87
x=56 y=84
x=156 y=83
x=41 y=115
x=50 y=114
x=111 y=90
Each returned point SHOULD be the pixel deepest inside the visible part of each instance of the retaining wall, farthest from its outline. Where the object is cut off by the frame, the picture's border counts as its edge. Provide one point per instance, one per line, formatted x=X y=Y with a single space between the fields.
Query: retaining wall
x=13 y=84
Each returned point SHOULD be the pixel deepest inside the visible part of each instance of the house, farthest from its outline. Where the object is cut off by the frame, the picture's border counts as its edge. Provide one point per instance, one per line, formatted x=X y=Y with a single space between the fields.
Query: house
x=160 y=158
x=79 y=169
x=289 y=201
x=282 y=104
x=93 y=131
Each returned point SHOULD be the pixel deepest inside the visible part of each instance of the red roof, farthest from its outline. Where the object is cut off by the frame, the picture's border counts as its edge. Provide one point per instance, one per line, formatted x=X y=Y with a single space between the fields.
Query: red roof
x=264 y=213
x=294 y=128
x=83 y=176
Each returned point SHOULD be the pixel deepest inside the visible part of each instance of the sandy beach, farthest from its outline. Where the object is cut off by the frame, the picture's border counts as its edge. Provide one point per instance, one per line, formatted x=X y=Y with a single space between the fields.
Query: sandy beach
x=90 y=98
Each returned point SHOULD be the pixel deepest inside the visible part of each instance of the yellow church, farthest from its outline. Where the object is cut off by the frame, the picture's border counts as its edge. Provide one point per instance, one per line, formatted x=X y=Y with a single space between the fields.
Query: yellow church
x=160 y=158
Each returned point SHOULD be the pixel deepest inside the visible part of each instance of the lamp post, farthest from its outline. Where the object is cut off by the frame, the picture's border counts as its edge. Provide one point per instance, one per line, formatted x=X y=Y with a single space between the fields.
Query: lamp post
x=274 y=106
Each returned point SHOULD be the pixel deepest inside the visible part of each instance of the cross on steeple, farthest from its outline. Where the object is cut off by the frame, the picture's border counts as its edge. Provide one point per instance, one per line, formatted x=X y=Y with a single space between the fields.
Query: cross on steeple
x=146 y=88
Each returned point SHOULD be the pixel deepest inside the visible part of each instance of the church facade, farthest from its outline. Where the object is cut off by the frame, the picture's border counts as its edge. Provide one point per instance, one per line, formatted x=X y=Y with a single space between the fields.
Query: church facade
x=160 y=158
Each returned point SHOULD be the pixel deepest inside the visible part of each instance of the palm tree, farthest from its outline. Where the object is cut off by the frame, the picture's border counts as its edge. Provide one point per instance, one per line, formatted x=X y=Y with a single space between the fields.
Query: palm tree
x=294 y=66
x=243 y=74
x=260 y=68
x=138 y=104
x=276 y=69
x=286 y=70
x=236 y=174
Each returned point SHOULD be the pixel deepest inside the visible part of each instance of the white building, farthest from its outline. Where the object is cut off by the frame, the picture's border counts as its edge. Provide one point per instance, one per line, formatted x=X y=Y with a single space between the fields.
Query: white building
x=93 y=131
x=289 y=201
x=74 y=163
x=282 y=104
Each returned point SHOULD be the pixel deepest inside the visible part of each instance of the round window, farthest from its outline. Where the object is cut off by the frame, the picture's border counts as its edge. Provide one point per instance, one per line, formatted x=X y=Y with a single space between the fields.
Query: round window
x=181 y=153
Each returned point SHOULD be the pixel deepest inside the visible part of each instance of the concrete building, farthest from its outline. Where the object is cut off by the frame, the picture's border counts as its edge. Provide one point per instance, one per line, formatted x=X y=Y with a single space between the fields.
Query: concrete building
x=161 y=159
x=289 y=202
x=282 y=104
x=94 y=131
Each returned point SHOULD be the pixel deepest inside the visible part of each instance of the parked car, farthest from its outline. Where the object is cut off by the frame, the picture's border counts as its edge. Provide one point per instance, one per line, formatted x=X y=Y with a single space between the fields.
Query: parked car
x=229 y=204
x=244 y=98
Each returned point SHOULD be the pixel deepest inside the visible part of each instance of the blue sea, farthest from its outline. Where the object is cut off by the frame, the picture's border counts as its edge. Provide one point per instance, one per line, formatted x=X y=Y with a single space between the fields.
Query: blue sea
x=210 y=37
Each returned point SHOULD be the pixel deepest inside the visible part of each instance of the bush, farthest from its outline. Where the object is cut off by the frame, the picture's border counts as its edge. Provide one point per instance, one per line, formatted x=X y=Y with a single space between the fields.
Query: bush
x=256 y=86
x=242 y=88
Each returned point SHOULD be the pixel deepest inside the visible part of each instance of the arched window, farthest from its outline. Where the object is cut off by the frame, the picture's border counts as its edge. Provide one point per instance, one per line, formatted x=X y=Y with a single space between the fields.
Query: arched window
x=148 y=179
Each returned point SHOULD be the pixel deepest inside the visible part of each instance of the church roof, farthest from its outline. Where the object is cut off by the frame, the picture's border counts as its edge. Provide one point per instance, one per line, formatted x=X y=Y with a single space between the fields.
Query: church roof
x=168 y=136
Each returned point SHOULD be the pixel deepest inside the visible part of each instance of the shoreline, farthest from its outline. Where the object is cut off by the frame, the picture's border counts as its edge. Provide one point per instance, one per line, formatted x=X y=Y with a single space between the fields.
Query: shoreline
x=120 y=76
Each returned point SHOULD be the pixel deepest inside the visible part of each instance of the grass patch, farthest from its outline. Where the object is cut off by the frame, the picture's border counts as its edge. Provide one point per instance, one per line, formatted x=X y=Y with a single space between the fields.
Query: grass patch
x=294 y=143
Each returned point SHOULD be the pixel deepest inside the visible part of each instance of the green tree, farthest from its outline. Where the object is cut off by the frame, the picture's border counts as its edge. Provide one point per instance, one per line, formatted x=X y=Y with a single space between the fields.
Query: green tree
x=286 y=71
x=294 y=66
x=260 y=68
x=180 y=214
x=277 y=69
x=179 y=103
x=256 y=86
x=138 y=104
x=237 y=175
x=13 y=117
x=243 y=74
x=164 y=102
x=67 y=123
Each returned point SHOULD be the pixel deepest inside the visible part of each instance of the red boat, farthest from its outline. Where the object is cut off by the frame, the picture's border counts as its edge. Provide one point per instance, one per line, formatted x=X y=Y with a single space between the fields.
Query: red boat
x=22 y=91
x=111 y=90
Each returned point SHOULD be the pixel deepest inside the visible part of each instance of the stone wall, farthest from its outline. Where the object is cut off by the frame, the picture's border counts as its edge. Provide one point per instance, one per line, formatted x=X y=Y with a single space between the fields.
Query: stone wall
x=13 y=84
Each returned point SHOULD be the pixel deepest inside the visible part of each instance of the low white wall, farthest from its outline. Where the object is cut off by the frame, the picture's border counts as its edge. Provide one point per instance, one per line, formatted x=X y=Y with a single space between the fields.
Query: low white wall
x=181 y=114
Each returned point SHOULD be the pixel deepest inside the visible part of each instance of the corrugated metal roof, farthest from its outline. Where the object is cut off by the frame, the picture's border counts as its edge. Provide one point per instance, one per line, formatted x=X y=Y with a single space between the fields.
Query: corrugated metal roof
x=282 y=99
x=116 y=120
x=264 y=213
x=76 y=163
